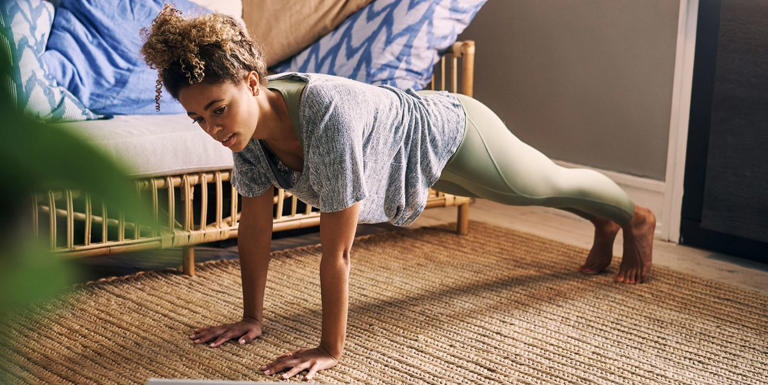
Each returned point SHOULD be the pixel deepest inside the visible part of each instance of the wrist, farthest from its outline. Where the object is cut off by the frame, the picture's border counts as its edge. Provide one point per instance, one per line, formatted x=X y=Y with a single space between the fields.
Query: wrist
x=334 y=353
x=252 y=318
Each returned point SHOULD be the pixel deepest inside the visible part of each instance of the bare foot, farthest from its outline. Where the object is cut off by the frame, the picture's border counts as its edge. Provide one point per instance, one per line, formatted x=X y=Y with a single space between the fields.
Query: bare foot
x=638 y=247
x=602 y=247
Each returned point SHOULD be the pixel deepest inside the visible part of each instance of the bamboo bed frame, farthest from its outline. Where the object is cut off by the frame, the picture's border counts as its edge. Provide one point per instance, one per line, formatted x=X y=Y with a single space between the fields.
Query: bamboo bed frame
x=75 y=228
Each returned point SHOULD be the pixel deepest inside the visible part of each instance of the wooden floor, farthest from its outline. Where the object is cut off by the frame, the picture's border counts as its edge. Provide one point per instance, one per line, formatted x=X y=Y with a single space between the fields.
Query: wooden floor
x=569 y=228
x=549 y=223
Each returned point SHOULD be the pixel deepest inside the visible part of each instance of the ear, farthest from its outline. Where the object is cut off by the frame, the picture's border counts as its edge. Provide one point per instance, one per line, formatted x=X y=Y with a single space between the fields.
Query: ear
x=253 y=83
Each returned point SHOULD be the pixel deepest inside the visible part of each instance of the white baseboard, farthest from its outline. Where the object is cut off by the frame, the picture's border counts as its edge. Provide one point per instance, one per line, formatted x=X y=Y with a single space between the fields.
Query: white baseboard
x=645 y=192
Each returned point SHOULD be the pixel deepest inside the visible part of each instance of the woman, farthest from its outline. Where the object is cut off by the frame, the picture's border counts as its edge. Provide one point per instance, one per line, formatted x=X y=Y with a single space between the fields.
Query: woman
x=359 y=153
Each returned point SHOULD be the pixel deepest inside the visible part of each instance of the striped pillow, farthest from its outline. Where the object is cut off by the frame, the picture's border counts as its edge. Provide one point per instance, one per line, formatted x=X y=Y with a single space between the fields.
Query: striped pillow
x=388 y=42
x=26 y=25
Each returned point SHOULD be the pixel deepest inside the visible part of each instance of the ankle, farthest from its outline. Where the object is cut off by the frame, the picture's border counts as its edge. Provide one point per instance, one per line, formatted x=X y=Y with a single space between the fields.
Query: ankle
x=605 y=226
x=642 y=219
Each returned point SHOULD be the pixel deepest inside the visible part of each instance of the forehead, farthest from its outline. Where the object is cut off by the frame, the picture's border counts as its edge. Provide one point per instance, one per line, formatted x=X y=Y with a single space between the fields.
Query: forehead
x=196 y=96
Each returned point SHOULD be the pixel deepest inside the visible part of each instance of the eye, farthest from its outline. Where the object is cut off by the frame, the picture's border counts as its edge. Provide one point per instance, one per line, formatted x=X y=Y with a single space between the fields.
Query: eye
x=198 y=120
x=220 y=110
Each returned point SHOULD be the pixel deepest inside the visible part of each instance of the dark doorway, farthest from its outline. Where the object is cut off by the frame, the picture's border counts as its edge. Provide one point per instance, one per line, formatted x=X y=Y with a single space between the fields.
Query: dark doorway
x=725 y=203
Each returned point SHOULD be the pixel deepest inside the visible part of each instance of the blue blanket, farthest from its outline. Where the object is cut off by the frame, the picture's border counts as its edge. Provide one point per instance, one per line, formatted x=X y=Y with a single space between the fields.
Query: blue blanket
x=94 y=51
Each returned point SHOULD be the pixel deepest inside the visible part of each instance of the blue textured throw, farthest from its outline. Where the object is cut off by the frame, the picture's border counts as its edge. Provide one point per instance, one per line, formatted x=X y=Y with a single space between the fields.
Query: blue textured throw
x=94 y=51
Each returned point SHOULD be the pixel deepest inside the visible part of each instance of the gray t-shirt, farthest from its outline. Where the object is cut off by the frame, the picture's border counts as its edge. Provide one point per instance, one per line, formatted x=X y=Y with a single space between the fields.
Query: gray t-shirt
x=378 y=145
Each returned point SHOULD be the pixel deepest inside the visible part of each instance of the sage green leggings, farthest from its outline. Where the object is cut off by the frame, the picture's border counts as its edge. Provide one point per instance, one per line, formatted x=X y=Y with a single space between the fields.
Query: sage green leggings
x=492 y=163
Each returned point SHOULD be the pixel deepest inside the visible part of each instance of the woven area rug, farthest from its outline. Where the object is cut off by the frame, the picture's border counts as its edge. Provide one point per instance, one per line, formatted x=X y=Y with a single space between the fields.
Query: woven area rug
x=426 y=306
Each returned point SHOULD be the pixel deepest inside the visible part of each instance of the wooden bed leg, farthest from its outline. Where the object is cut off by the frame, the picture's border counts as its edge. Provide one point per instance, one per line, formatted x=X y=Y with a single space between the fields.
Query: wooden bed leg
x=462 y=219
x=188 y=254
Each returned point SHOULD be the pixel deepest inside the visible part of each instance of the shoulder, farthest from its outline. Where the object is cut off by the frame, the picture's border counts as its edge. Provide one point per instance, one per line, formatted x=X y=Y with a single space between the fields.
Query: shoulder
x=330 y=87
x=322 y=83
x=331 y=100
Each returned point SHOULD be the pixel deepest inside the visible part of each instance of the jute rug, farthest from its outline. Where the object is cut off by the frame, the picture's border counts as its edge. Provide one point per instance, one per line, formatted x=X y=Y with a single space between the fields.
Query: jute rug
x=426 y=306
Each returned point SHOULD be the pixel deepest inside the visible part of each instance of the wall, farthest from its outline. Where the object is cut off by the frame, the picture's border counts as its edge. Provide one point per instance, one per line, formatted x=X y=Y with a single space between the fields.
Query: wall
x=586 y=82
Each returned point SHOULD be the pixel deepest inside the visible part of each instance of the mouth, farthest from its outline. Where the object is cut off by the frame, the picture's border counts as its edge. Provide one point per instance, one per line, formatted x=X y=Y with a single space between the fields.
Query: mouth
x=228 y=141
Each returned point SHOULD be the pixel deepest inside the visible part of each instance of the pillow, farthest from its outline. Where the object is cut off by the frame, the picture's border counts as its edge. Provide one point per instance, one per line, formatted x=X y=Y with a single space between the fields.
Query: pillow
x=26 y=26
x=389 y=42
x=95 y=52
x=285 y=27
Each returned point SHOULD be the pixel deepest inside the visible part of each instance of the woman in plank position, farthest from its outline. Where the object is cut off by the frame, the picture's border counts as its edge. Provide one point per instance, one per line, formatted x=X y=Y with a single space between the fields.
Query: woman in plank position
x=361 y=154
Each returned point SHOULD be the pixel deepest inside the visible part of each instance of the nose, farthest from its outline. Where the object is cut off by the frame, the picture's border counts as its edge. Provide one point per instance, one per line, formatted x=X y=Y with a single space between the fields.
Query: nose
x=212 y=128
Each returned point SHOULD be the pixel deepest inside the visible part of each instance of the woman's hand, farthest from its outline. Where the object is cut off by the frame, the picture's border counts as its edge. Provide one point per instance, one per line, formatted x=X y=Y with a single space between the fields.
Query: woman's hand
x=314 y=360
x=244 y=331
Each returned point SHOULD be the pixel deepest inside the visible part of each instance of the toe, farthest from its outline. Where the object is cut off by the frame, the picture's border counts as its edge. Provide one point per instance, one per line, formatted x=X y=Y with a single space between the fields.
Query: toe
x=646 y=272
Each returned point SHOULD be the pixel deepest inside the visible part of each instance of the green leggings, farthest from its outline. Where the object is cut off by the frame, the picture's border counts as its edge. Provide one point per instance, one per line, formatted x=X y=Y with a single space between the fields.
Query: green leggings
x=492 y=163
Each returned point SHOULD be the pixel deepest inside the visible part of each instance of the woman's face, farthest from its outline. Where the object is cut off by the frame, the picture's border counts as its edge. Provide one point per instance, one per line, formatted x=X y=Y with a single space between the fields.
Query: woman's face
x=226 y=111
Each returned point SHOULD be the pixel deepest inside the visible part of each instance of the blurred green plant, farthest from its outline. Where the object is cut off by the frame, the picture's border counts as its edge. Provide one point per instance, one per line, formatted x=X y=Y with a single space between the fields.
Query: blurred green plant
x=36 y=157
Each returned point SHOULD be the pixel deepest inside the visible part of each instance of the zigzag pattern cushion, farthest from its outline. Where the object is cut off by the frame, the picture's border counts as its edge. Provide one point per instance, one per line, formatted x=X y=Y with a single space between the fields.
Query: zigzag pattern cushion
x=26 y=25
x=389 y=42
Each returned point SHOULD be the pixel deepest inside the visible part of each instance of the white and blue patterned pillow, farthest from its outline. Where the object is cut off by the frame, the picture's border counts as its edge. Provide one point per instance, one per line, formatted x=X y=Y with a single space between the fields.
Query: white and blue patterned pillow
x=26 y=25
x=388 y=42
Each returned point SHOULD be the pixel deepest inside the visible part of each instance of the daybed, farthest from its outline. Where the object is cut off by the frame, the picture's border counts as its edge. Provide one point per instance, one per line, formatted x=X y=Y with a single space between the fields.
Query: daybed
x=185 y=175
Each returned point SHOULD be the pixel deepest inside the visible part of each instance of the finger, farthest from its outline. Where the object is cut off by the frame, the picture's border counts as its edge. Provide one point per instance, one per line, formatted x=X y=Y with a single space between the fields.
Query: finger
x=248 y=337
x=282 y=365
x=203 y=338
x=197 y=332
x=314 y=369
x=282 y=356
x=222 y=339
x=270 y=367
x=296 y=369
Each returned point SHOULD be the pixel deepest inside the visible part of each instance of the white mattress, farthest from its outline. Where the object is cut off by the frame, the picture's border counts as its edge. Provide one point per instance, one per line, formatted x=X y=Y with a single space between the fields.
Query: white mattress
x=155 y=144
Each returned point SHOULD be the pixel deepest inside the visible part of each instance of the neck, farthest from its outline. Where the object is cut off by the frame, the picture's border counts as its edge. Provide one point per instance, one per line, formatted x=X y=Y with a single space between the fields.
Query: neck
x=274 y=124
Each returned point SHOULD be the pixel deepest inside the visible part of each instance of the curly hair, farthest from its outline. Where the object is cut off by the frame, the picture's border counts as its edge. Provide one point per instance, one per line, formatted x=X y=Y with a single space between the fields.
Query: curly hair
x=210 y=48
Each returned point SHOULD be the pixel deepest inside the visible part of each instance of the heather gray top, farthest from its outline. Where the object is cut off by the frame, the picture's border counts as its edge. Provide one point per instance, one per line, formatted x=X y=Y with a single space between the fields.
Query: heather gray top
x=378 y=145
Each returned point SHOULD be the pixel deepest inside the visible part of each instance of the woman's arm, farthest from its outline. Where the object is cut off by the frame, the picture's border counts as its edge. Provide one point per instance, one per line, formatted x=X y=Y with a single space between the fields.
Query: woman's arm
x=337 y=232
x=254 y=239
